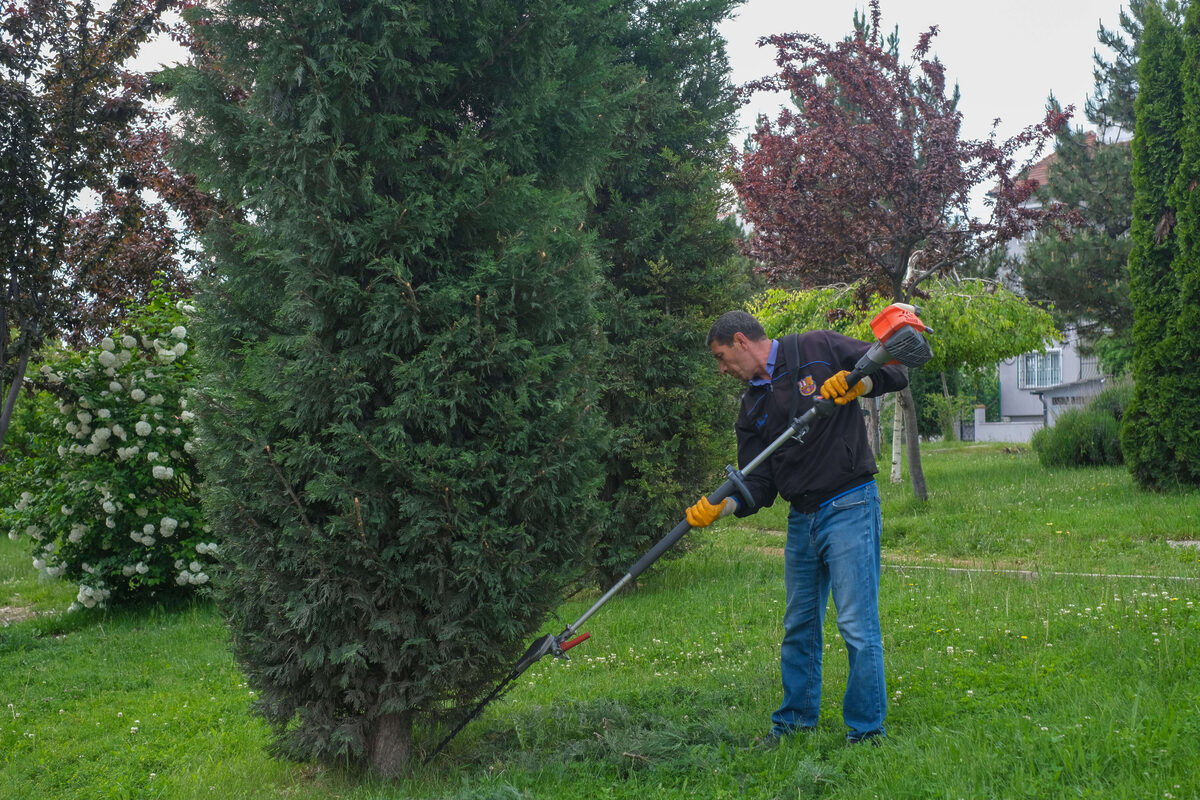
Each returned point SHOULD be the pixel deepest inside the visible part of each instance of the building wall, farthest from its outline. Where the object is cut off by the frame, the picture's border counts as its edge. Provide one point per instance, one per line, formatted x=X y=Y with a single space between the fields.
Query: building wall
x=1079 y=380
x=1016 y=432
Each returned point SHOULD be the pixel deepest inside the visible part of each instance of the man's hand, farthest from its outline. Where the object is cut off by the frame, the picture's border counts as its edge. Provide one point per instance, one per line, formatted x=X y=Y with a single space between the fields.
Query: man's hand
x=835 y=388
x=705 y=513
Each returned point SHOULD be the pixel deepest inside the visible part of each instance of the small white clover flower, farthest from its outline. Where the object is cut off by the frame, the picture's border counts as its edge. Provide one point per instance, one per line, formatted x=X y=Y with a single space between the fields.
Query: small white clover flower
x=163 y=473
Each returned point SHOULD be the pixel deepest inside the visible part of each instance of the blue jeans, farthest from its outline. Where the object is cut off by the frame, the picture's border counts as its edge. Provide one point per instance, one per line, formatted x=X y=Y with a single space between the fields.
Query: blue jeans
x=836 y=548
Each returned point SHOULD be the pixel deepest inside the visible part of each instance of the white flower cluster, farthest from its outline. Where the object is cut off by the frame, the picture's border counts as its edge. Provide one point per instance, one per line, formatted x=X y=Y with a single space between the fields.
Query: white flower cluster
x=164 y=353
x=192 y=573
x=90 y=597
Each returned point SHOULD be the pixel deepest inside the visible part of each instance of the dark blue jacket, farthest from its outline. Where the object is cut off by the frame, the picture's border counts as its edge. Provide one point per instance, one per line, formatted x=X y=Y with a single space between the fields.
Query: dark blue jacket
x=835 y=455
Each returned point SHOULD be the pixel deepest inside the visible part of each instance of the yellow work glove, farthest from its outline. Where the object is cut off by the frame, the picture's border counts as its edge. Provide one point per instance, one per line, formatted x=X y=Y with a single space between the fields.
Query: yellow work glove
x=835 y=388
x=705 y=513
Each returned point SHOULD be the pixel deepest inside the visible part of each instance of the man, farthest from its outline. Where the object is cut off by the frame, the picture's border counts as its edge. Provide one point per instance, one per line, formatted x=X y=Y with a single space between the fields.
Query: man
x=835 y=523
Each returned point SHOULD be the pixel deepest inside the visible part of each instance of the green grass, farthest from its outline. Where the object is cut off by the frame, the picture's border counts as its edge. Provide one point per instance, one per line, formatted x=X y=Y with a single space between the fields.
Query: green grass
x=1002 y=683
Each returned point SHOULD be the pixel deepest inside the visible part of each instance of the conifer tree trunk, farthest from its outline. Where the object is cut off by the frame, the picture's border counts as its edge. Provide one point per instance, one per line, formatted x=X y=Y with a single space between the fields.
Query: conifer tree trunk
x=389 y=744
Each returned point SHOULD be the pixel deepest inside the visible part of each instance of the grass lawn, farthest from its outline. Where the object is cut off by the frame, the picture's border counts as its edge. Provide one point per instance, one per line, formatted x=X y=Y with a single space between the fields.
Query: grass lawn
x=1042 y=639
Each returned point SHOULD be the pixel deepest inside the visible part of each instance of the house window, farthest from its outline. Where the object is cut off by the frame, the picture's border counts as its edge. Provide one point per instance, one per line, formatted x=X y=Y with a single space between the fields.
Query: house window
x=1039 y=370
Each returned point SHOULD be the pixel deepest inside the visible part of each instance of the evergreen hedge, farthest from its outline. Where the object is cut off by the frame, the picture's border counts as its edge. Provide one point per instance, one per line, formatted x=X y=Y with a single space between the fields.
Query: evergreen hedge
x=400 y=405
x=671 y=266
x=1153 y=285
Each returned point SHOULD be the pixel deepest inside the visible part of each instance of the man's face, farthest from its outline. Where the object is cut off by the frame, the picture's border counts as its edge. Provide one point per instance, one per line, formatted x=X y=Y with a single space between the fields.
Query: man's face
x=735 y=358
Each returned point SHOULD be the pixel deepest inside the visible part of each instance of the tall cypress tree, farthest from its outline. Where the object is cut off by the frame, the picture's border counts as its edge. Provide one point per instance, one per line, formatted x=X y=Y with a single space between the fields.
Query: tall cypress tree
x=1183 y=423
x=671 y=267
x=1153 y=284
x=400 y=403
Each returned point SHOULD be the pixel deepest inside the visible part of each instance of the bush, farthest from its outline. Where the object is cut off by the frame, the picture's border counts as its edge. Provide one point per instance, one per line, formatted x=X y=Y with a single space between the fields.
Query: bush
x=106 y=495
x=1113 y=400
x=1086 y=437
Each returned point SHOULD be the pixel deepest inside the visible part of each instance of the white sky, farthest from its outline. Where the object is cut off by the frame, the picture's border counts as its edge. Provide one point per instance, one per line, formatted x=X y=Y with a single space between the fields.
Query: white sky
x=1006 y=55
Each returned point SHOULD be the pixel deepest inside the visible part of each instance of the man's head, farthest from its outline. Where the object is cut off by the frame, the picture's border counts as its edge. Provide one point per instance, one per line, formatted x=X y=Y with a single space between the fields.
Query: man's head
x=740 y=345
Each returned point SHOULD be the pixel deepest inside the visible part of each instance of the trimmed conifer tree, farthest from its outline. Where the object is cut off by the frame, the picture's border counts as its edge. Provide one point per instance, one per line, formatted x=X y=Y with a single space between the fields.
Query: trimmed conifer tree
x=671 y=267
x=1153 y=284
x=1182 y=428
x=400 y=421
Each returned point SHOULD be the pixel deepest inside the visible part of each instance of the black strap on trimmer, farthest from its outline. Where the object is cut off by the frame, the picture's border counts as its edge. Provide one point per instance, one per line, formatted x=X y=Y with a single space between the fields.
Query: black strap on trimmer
x=791 y=343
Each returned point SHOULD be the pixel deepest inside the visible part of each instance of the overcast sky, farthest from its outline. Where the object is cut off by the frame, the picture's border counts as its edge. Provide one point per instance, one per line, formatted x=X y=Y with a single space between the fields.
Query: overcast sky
x=1006 y=56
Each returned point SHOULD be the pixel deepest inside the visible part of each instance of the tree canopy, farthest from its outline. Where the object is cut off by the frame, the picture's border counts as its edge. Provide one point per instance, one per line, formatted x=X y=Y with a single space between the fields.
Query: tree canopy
x=865 y=177
x=92 y=213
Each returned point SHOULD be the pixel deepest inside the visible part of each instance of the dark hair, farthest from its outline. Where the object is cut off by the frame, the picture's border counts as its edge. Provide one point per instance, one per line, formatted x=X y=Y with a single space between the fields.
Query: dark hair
x=732 y=322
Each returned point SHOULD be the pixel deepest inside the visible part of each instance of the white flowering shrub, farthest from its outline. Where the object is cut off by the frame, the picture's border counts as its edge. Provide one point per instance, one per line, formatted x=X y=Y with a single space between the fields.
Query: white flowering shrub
x=108 y=499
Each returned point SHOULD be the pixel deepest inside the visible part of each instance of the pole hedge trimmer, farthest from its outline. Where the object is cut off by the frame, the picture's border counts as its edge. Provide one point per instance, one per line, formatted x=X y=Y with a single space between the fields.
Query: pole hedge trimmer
x=899 y=339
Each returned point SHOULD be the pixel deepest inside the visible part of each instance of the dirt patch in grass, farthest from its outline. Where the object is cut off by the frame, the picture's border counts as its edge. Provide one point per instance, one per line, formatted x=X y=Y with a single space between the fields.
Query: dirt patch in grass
x=11 y=614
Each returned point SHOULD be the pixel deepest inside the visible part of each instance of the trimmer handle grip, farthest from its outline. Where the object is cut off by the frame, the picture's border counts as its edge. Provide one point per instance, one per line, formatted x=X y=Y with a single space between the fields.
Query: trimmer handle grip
x=580 y=639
